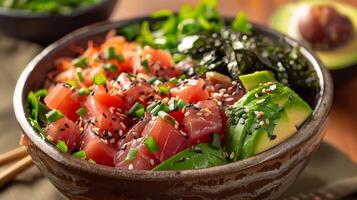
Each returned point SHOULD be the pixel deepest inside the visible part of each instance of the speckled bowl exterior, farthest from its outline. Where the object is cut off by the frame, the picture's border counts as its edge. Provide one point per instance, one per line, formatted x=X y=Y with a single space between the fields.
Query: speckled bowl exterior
x=264 y=176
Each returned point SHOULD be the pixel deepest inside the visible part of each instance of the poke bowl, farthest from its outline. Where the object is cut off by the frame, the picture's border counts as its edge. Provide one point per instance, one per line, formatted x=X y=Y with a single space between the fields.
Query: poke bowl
x=259 y=172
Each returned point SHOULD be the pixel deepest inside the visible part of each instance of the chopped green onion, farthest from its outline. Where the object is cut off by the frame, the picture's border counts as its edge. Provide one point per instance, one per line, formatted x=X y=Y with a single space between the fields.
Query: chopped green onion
x=216 y=141
x=61 y=145
x=177 y=57
x=152 y=79
x=120 y=58
x=110 y=67
x=131 y=154
x=140 y=112
x=174 y=80
x=151 y=144
x=181 y=104
x=183 y=77
x=163 y=89
x=53 y=116
x=110 y=53
x=81 y=112
x=166 y=117
x=84 y=91
x=73 y=83
x=136 y=107
x=173 y=105
x=80 y=62
x=80 y=77
x=145 y=64
x=100 y=79
x=80 y=154
x=41 y=93
x=151 y=106
x=158 y=108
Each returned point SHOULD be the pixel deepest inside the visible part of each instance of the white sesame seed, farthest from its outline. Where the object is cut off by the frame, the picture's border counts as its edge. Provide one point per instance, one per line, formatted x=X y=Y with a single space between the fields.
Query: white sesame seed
x=230 y=99
x=231 y=156
x=131 y=166
x=152 y=162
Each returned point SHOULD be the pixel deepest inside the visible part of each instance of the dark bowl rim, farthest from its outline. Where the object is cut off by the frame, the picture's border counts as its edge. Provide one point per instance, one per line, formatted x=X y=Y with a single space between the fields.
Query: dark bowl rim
x=311 y=127
x=18 y=13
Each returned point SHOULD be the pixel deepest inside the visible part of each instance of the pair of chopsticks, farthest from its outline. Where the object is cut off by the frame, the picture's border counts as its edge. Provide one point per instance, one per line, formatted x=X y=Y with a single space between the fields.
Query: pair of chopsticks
x=24 y=161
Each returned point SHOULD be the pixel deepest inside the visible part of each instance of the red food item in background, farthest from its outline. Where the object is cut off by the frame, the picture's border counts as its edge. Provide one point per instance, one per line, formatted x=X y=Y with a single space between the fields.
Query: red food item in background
x=66 y=130
x=63 y=99
x=201 y=123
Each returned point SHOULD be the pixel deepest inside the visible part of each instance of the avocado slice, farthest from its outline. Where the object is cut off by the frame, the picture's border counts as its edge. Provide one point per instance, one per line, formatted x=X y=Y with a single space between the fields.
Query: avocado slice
x=196 y=157
x=250 y=81
x=262 y=122
x=285 y=21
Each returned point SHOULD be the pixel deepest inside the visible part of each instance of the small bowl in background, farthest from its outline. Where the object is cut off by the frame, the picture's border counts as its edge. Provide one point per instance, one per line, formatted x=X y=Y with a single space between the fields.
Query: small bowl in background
x=45 y=28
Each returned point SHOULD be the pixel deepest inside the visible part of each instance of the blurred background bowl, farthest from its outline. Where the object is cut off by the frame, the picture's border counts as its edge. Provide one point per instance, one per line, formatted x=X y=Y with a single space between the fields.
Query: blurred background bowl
x=45 y=28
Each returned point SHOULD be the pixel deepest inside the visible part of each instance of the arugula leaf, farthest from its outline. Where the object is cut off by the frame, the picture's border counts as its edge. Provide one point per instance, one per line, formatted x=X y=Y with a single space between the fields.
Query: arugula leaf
x=241 y=24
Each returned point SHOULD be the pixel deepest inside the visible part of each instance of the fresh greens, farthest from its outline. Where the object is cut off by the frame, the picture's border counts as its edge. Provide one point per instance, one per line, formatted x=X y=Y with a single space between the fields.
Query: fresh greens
x=64 y=7
x=195 y=157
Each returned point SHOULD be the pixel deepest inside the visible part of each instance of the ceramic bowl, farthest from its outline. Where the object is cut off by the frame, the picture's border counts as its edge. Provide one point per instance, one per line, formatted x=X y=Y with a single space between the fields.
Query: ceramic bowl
x=45 y=28
x=264 y=176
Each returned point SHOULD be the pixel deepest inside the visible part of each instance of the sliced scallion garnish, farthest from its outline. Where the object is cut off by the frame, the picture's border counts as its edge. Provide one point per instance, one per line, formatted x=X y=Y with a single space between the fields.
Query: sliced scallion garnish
x=151 y=144
x=145 y=64
x=81 y=112
x=80 y=154
x=110 y=67
x=80 y=62
x=137 y=106
x=80 y=77
x=110 y=53
x=131 y=154
x=84 y=91
x=163 y=89
x=167 y=118
x=61 y=145
x=100 y=79
x=120 y=58
x=54 y=115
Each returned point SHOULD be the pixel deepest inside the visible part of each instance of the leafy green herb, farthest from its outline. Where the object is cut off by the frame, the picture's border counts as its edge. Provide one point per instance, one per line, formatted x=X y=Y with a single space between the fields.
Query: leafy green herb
x=151 y=144
x=100 y=79
x=145 y=64
x=54 y=115
x=61 y=145
x=73 y=83
x=241 y=24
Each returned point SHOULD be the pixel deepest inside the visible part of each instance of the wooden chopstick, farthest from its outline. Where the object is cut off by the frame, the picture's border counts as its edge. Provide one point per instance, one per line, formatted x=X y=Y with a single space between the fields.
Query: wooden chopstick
x=11 y=172
x=13 y=155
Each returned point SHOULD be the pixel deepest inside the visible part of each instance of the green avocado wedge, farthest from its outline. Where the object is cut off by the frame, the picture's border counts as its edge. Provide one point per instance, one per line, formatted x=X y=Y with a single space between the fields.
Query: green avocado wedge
x=263 y=118
x=250 y=81
x=284 y=20
x=196 y=157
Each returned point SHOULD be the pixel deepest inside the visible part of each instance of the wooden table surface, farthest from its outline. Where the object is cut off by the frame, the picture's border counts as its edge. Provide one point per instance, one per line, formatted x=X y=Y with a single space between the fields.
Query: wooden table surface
x=342 y=125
